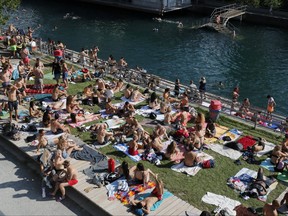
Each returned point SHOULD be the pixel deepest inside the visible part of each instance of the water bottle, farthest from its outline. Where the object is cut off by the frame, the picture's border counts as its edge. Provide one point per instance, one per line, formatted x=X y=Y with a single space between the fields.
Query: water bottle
x=111 y=165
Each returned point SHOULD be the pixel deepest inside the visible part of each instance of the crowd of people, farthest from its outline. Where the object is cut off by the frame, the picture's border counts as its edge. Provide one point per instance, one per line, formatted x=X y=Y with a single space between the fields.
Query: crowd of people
x=101 y=93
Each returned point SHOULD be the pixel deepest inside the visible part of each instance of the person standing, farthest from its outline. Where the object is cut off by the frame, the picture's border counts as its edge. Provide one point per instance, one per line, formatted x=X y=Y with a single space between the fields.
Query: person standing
x=235 y=96
x=12 y=101
x=56 y=70
x=270 y=107
x=177 y=88
x=202 y=88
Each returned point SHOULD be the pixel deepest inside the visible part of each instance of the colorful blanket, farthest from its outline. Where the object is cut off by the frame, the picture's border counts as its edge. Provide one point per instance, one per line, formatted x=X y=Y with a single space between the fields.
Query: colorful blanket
x=124 y=148
x=47 y=89
x=145 y=111
x=268 y=165
x=220 y=130
x=234 y=134
x=192 y=171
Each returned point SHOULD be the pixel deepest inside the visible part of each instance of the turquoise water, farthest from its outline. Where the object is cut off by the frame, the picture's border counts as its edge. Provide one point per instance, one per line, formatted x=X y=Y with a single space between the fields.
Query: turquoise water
x=256 y=60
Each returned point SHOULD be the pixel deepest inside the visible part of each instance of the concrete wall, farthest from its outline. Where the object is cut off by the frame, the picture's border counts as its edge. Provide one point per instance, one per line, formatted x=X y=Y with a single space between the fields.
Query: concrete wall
x=161 y=3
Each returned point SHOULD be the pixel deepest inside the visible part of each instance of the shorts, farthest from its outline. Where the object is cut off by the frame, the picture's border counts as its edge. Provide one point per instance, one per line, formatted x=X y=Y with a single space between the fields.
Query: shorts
x=21 y=90
x=65 y=75
x=58 y=131
x=13 y=48
x=12 y=105
x=57 y=76
x=72 y=182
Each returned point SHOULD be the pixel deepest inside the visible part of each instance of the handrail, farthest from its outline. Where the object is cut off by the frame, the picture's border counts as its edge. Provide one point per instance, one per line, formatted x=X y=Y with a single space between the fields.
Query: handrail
x=143 y=78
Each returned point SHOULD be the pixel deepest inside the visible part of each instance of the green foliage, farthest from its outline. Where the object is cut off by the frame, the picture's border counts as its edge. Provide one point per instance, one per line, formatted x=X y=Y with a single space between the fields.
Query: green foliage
x=273 y=3
x=5 y=8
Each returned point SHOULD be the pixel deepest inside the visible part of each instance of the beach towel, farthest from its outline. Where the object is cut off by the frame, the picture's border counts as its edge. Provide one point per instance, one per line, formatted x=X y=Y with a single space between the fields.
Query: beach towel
x=234 y=134
x=246 y=141
x=221 y=201
x=226 y=151
x=268 y=165
x=47 y=89
x=220 y=130
x=42 y=96
x=192 y=171
x=166 y=195
x=115 y=122
x=145 y=111
x=78 y=124
x=283 y=176
x=124 y=148
x=268 y=147
x=132 y=102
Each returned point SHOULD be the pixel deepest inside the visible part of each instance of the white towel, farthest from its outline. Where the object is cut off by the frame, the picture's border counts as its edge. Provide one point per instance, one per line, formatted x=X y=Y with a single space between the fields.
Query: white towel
x=226 y=151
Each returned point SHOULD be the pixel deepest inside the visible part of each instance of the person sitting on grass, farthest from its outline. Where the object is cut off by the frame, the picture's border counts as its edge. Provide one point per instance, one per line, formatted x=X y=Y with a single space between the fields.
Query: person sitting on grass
x=167 y=98
x=160 y=131
x=57 y=128
x=34 y=112
x=71 y=105
x=190 y=157
x=153 y=102
x=271 y=209
x=119 y=85
x=182 y=117
x=88 y=91
x=172 y=151
x=58 y=93
x=128 y=91
x=110 y=108
x=86 y=73
x=71 y=179
x=126 y=109
x=210 y=129
x=142 y=207
x=136 y=95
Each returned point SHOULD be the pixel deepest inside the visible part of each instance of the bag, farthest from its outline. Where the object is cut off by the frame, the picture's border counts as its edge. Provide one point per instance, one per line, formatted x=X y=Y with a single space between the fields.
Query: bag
x=152 y=115
x=226 y=138
x=112 y=177
x=31 y=128
x=30 y=138
x=9 y=127
x=208 y=164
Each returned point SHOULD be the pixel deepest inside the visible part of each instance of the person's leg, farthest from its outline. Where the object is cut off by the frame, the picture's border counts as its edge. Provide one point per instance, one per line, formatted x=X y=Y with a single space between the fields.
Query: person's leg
x=55 y=189
x=260 y=174
x=16 y=110
x=62 y=188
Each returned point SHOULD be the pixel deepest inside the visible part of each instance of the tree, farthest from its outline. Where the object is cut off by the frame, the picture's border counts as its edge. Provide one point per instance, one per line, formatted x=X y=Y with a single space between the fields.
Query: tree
x=6 y=6
x=273 y=3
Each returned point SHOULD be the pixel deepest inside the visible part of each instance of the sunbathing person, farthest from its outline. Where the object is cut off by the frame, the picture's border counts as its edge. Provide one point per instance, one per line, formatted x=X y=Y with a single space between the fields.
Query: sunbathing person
x=110 y=108
x=88 y=91
x=79 y=117
x=46 y=120
x=21 y=85
x=167 y=98
x=136 y=95
x=172 y=151
x=181 y=117
x=71 y=179
x=133 y=146
x=100 y=84
x=57 y=128
x=244 y=109
x=190 y=157
x=184 y=102
x=103 y=136
x=67 y=146
x=34 y=111
x=193 y=140
x=210 y=129
x=277 y=155
x=119 y=85
x=58 y=161
x=128 y=91
x=42 y=140
x=156 y=144
x=139 y=175
x=168 y=116
x=86 y=73
x=153 y=102
x=160 y=131
x=57 y=93
x=285 y=144
x=126 y=109
x=71 y=105
x=258 y=146
x=135 y=126
x=142 y=207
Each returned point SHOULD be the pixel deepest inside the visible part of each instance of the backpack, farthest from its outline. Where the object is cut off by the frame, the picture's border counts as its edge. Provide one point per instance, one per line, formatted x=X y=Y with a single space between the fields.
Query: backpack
x=31 y=128
x=208 y=164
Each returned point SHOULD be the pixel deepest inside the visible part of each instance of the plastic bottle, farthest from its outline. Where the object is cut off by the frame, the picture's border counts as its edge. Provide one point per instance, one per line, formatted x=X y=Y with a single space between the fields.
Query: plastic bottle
x=111 y=165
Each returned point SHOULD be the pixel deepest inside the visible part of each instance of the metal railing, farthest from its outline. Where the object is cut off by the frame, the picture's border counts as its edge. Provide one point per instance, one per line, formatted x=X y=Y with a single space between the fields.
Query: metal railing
x=158 y=85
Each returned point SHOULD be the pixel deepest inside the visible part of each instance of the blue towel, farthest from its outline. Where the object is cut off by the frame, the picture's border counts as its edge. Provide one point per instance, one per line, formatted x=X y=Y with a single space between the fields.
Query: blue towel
x=267 y=164
x=158 y=203
x=41 y=96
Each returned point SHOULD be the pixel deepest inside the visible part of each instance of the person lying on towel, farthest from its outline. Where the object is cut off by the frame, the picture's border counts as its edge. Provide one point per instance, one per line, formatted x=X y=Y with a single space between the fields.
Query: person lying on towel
x=142 y=207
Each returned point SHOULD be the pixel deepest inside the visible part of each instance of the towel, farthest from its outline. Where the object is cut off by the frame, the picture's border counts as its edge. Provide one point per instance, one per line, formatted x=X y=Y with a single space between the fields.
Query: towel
x=93 y=118
x=145 y=111
x=234 y=134
x=221 y=201
x=124 y=149
x=132 y=102
x=268 y=147
x=166 y=195
x=226 y=151
x=268 y=165
x=115 y=122
x=191 y=170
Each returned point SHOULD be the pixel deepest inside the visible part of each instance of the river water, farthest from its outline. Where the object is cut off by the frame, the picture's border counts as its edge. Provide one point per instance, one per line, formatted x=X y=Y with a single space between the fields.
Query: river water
x=256 y=60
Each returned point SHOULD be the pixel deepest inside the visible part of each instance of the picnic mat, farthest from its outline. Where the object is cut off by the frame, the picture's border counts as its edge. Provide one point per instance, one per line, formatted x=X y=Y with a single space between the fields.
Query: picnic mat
x=221 y=201
x=220 y=130
x=234 y=134
x=192 y=171
x=225 y=151
x=115 y=122
x=247 y=141
x=124 y=148
x=283 y=176
x=47 y=89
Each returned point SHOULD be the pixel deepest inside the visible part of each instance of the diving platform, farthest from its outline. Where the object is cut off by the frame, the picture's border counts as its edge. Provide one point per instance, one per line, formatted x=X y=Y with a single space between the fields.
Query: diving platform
x=219 y=18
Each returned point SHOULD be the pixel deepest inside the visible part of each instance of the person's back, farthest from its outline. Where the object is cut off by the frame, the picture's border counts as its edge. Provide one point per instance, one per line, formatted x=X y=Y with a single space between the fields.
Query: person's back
x=190 y=157
x=271 y=209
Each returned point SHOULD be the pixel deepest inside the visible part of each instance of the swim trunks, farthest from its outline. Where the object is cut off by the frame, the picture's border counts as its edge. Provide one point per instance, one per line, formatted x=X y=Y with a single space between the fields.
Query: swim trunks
x=72 y=182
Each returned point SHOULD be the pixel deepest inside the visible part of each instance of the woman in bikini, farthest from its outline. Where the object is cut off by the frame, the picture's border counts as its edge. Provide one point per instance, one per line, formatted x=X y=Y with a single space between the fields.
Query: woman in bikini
x=168 y=116
x=57 y=93
x=110 y=108
x=172 y=151
x=139 y=175
x=277 y=155
x=71 y=105
x=136 y=95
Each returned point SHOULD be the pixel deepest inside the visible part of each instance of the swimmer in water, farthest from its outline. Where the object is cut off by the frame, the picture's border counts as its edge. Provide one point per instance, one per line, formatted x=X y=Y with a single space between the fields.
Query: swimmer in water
x=180 y=25
x=155 y=29
x=158 y=19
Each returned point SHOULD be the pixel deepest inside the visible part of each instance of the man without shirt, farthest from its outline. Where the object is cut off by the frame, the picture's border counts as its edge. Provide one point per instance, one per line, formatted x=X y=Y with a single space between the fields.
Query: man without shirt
x=12 y=101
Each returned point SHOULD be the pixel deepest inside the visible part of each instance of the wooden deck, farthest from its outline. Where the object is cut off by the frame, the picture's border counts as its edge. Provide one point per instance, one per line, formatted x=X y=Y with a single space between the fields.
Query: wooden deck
x=98 y=196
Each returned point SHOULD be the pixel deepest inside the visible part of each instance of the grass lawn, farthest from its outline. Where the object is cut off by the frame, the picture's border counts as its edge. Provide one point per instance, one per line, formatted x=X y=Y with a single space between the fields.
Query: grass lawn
x=192 y=189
